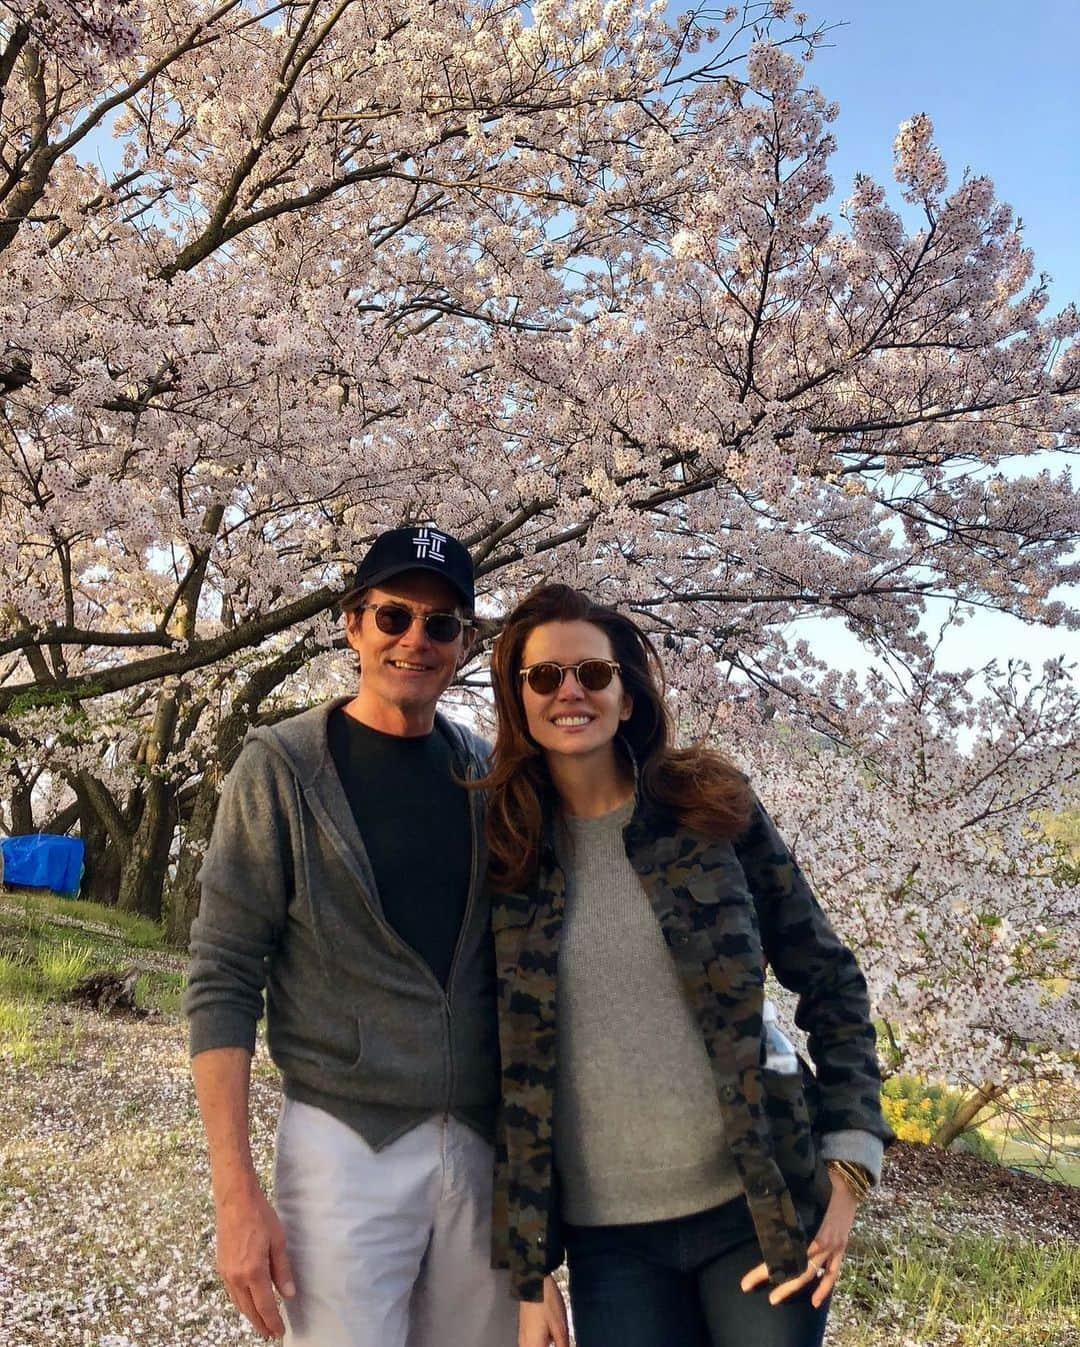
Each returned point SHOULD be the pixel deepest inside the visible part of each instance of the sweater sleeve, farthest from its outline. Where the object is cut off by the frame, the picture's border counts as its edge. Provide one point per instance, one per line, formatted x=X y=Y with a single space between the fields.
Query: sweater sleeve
x=809 y=959
x=246 y=881
x=860 y=1148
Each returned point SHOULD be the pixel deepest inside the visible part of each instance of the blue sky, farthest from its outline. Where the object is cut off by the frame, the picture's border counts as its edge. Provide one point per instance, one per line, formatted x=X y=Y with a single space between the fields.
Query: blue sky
x=1000 y=84
x=999 y=81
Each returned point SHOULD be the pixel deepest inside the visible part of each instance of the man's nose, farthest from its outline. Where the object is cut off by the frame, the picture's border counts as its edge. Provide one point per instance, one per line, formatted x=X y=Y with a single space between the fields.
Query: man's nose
x=416 y=634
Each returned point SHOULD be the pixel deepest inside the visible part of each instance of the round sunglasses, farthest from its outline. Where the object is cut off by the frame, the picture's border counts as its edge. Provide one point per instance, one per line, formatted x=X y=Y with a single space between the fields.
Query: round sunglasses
x=592 y=674
x=394 y=619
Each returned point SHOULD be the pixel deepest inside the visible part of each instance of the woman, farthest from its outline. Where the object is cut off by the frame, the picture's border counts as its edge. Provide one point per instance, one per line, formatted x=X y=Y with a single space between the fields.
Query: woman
x=649 y=1126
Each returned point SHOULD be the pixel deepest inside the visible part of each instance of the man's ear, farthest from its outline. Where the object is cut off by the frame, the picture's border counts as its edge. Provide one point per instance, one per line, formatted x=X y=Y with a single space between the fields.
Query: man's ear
x=467 y=642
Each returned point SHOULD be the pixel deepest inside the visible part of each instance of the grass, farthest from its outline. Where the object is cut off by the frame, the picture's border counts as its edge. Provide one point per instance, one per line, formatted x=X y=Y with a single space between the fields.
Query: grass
x=47 y=973
x=18 y=977
x=47 y=944
x=963 y=1290
x=17 y=1022
x=1027 y=1155
x=62 y=966
x=103 y=1181
x=42 y=909
x=160 y=991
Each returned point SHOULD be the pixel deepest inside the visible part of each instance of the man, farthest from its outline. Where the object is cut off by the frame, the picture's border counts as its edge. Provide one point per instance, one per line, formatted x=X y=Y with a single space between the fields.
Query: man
x=345 y=874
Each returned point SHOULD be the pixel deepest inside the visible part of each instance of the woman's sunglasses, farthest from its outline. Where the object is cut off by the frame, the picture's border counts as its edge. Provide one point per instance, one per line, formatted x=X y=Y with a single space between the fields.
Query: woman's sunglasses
x=592 y=674
x=394 y=619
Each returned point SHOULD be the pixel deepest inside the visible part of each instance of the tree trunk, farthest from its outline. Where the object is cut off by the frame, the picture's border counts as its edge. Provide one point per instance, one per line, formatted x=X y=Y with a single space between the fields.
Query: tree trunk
x=146 y=862
x=981 y=1097
x=22 y=812
x=184 y=894
x=184 y=891
x=101 y=859
x=145 y=866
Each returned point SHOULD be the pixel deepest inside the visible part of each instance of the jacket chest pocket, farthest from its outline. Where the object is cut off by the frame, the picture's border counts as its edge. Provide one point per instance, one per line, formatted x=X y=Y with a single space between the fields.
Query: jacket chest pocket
x=715 y=907
x=713 y=935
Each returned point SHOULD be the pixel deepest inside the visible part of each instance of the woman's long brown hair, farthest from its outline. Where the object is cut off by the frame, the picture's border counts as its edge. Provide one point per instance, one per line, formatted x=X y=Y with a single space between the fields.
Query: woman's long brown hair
x=706 y=792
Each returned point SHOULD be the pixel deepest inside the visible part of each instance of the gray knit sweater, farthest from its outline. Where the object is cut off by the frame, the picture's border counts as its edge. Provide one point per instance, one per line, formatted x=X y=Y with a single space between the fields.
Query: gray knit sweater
x=638 y=1133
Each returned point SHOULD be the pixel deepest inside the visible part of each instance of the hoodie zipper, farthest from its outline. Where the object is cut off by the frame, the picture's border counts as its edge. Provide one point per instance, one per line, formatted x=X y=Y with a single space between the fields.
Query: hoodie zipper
x=470 y=903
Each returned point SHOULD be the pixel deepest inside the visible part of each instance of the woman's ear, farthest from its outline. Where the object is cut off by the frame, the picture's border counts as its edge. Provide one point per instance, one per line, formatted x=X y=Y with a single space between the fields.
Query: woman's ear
x=626 y=707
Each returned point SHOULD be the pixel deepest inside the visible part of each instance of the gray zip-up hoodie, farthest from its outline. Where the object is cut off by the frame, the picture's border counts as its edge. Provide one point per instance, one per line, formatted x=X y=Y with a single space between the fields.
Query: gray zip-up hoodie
x=356 y=1021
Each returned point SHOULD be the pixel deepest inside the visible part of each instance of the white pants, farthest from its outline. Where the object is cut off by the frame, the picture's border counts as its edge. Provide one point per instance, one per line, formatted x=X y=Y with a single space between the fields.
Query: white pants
x=389 y=1248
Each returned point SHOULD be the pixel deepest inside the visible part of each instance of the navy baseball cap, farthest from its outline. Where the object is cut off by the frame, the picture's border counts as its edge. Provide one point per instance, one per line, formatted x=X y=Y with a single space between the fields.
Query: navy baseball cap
x=418 y=548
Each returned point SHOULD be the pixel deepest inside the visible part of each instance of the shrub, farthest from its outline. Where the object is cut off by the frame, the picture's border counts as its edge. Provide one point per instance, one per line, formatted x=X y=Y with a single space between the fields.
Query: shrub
x=975 y=1143
x=910 y=1119
x=915 y=1109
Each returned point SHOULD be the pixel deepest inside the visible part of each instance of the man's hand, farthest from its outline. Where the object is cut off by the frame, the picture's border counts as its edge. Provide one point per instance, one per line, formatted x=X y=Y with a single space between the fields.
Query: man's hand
x=542 y=1323
x=251 y=1253
x=251 y=1257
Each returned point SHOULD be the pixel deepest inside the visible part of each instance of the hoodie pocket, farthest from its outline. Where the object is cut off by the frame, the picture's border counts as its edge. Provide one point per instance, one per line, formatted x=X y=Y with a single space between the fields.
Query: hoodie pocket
x=338 y=1053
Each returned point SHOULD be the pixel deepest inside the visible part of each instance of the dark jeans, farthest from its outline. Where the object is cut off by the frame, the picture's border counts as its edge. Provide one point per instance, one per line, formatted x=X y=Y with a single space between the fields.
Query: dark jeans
x=676 y=1284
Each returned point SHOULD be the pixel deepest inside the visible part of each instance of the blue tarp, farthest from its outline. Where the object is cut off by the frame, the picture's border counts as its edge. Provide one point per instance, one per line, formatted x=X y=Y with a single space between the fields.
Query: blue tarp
x=42 y=861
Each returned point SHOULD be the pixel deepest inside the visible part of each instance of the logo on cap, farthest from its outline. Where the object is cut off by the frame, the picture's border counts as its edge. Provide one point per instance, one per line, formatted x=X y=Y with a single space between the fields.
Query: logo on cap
x=429 y=545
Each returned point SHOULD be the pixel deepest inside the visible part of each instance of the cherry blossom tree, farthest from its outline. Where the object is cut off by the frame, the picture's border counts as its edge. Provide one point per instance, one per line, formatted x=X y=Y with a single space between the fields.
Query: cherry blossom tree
x=561 y=277
x=913 y=802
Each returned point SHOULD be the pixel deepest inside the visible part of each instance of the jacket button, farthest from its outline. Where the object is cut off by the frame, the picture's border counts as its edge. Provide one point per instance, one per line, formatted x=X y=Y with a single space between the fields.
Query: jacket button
x=680 y=938
x=540 y=1241
x=729 y=1093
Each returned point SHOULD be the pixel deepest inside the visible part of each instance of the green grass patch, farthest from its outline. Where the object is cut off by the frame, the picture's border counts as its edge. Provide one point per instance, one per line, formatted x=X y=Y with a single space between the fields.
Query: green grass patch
x=19 y=979
x=62 y=966
x=160 y=991
x=18 y=1020
x=968 y=1290
x=1065 y=1166
x=40 y=907
x=48 y=944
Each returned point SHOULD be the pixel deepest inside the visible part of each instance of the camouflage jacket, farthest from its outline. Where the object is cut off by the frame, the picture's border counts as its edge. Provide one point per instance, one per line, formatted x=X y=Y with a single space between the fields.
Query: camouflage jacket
x=725 y=908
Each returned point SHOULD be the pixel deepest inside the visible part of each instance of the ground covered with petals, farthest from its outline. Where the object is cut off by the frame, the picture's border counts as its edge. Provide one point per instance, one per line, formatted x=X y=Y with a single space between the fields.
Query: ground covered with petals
x=106 y=1226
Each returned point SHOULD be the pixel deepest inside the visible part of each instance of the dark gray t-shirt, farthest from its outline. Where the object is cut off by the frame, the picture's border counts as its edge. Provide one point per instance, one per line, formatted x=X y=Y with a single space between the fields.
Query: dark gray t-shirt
x=414 y=820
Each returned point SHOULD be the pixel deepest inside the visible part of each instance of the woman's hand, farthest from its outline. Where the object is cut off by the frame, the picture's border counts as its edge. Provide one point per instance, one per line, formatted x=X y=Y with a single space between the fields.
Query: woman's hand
x=542 y=1323
x=825 y=1253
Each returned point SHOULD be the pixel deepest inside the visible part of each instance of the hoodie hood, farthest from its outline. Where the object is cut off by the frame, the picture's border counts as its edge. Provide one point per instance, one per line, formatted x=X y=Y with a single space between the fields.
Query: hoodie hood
x=303 y=742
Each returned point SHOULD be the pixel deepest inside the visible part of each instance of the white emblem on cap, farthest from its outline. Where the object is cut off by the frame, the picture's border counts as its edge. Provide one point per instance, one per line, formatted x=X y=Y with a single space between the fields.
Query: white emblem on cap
x=429 y=545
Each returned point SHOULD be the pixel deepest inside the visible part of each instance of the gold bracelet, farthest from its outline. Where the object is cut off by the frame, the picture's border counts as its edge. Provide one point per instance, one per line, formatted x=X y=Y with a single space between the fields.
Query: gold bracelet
x=855 y=1178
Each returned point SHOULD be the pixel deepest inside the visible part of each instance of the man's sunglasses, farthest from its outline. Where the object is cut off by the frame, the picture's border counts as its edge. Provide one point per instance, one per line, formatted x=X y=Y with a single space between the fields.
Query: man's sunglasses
x=394 y=619
x=592 y=674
